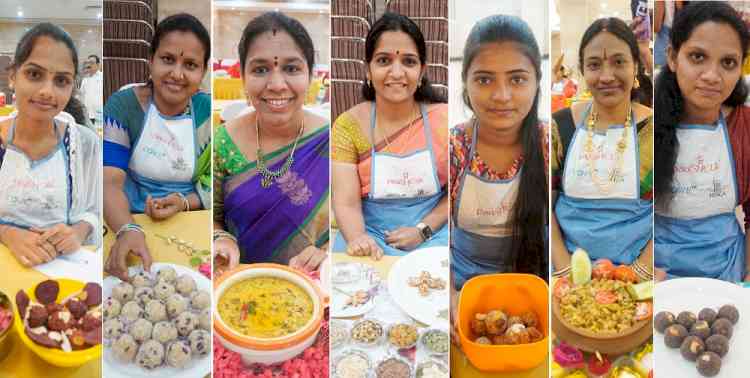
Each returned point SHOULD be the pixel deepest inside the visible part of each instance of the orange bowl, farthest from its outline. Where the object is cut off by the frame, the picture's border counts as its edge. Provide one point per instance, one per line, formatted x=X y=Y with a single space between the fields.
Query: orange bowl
x=514 y=293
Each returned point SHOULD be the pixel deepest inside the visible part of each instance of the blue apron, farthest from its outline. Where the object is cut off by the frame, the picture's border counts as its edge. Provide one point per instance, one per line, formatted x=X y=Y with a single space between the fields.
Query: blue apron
x=386 y=210
x=163 y=159
x=615 y=226
x=699 y=235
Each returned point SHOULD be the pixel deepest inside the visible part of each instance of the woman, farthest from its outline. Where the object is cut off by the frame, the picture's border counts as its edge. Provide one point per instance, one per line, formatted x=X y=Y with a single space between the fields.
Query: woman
x=602 y=157
x=49 y=168
x=563 y=87
x=271 y=165
x=391 y=152
x=700 y=98
x=499 y=194
x=156 y=139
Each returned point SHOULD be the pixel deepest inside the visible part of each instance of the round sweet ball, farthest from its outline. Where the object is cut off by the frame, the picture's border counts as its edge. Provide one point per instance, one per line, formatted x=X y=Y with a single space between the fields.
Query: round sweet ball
x=131 y=312
x=155 y=311
x=141 y=279
x=200 y=342
x=176 y=304
x=718 y=344
x=111 y=308
x=112 y=329
x=200 y=299
x=663 y=320
x=125 y=348
x=204 y=319
x=178 y=354
x=167 y=274
x=674 y=335
x=141 y=330
x=687 y=319
x=707 y=314
x=185 y=284
x=163 y=290
x=164 y=332
x=150 y=355
x=730 y=313
x=708 y=364
x=701 y=329
x=123 y=292
x=143 y=294
x=692 y=347
x=722 y=326
x=185 y=323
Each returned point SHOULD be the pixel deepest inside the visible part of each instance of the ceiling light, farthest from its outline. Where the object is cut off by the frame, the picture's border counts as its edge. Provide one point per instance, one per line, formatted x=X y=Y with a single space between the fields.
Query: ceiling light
x=20 y=13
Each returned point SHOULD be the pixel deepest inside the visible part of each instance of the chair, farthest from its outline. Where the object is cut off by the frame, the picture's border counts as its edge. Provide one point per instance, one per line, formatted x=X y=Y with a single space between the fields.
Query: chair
x=347 y=47
x=358 y=8
x=128 y=29
x=350 y=69
x=127 y=48
x=349 y=26
x=122 y=71
x=344 y=95
x=128 y=10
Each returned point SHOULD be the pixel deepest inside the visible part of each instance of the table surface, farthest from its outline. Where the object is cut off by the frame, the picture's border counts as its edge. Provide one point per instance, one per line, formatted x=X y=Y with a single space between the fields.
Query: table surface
x=21 y=361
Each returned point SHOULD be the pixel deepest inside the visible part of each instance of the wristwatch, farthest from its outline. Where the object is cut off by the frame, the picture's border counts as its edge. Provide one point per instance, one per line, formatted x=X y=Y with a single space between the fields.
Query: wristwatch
x=425 y=230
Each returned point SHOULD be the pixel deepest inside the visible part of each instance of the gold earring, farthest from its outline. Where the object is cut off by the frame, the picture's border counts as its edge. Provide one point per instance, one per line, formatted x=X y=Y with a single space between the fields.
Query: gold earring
x=636 y=84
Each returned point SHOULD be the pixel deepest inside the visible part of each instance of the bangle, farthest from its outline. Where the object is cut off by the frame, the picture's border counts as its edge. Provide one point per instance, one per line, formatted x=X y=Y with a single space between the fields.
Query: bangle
x=221 y=234
x=642 y=272
x=185 y=202
x=561 y=272
x=129 y=227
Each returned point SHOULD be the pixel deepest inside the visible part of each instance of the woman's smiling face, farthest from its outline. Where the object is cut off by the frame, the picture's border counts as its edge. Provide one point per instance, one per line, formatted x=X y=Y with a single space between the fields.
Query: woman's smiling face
x=177 y=68
x=395 y=69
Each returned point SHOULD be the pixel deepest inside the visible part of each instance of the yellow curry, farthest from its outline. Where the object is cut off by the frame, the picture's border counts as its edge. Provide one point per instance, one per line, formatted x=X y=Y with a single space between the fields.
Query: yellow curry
x=265 y=307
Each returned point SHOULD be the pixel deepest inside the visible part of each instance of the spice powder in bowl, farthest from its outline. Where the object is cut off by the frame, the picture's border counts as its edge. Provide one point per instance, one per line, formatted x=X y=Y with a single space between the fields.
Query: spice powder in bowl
x=354 y=364
x=393 y=367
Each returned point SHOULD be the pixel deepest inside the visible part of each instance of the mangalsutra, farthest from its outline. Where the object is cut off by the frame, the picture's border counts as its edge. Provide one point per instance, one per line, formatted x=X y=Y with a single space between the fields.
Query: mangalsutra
x=605 y=186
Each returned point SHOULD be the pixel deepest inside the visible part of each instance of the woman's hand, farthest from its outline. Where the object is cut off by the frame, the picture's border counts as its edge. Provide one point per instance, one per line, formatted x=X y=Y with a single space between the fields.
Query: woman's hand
x=454 y=295
x=404 y=238
x=659 y=275
x=309 y=259
x=164 y=207
x=66 y=239
x=27 y=246
x=226 y=249
x=130 y=242
x=364 y=245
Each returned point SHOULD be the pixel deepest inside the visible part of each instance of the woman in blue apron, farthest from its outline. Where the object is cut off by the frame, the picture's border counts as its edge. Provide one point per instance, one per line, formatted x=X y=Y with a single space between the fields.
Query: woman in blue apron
x=390 y=153
x=702 y=151
x=604 y=198
x=50 y=181
x=156 y=140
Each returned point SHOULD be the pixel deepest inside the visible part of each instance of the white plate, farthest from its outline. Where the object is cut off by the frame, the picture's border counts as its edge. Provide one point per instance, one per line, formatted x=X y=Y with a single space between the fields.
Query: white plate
x=429 y=309
x=198 y=367
x=369 y=281
x=694 y=294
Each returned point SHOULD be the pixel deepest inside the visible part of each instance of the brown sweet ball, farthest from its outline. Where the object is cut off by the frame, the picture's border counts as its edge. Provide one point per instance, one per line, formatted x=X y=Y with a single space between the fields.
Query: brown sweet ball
x=500 y=340
x=663 y=320
x=477 y=324
x=709 y=364
x=701 y=329
x=730 y=313
x=718 y=344
x=37 y=316
x=529 y=319
x=496 y=322
x=90 y=321
x=692 y=347
x=76 y=307
x=60 y=321
x=687 y=319
x=707 y=314
x=674 y=335
x=534 y=334
x=483 y=340
x=722 y=326
x=54 y=307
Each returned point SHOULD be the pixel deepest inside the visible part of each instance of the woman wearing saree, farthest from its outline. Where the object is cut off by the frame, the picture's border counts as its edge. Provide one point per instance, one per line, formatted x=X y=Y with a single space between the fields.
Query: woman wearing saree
x=156 y=140
x=602 y=158
x=391 y=152
x=50 y=201
x=271 y=177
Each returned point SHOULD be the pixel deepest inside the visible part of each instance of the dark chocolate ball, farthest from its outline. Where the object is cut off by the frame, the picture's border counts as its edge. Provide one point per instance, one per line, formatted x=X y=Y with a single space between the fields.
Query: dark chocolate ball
x=701 y=329
x=718 y=344
x=37 y=316
x=707 y=314
x=730 y=313
x=709 y=364
x=663 y=320
x=692 y=347
x=674 y=335
x=722 y=326
x=686 y=318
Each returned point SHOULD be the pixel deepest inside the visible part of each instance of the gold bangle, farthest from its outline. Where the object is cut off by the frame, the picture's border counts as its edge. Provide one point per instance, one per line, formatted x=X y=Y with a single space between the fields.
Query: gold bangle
x=561 y=272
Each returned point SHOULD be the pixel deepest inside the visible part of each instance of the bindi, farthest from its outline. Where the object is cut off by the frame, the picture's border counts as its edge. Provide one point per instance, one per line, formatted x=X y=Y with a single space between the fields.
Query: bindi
x=276 y=61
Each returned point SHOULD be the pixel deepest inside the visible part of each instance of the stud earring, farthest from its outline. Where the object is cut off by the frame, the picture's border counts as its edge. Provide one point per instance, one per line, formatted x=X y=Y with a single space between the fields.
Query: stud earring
x=636 y=84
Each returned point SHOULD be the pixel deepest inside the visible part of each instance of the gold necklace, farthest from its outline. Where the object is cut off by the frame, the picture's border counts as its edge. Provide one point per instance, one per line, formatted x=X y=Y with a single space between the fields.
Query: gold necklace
x=605 y=186
x=269 y=176
x=411 y=131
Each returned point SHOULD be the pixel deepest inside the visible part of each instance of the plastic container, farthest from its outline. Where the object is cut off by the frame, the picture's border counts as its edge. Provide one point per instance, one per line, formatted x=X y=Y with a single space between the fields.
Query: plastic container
x=514 y=293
